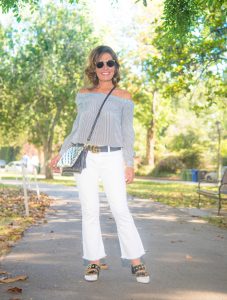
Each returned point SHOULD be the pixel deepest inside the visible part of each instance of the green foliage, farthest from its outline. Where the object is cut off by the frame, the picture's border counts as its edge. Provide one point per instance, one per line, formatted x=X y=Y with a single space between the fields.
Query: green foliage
x=144 y=2
x=9 y=153
x=174 y=194
x=43 y=76
x=17 y=5
x=191 y=158
x=143 y=170
x=184 y=141
x=224 y=152
x=224 y=146
x=185 y=62
x=224 y=161
x=41 y=70
x=170 y=164
x=183 y=16
x=220 y=221
x=180 y=15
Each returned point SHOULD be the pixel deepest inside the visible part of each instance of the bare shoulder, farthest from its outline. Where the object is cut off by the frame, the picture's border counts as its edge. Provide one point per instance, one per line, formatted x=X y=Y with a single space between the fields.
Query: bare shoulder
x=123 y=94
x=83 y=91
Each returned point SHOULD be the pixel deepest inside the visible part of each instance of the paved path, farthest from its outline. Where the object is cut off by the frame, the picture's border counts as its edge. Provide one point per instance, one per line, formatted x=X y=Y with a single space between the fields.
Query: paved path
x=187 y=257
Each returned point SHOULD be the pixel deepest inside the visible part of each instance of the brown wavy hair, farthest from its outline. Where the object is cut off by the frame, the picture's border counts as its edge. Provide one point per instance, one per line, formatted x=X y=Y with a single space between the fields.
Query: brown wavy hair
x=93 y=59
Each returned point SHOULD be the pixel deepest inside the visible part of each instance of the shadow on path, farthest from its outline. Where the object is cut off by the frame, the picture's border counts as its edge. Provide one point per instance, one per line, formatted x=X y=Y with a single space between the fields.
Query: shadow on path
x=186 y=256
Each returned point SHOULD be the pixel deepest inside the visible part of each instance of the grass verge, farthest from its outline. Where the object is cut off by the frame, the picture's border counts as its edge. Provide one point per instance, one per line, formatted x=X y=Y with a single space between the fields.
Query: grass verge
x=177 y=195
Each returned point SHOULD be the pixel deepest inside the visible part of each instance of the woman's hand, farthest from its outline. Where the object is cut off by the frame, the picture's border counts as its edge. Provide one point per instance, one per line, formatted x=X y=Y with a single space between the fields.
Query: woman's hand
x=129 y=174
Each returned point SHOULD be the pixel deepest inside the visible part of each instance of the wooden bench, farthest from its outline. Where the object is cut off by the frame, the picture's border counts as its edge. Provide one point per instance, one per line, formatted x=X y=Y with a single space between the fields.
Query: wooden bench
x=220 y=193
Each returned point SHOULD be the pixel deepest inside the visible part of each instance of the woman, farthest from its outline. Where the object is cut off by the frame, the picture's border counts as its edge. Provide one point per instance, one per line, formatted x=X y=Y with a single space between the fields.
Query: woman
x=110 y=157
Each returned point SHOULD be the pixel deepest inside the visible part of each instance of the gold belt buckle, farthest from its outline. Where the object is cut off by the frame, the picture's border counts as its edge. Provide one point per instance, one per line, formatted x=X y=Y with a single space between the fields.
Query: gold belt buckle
x=94 y=149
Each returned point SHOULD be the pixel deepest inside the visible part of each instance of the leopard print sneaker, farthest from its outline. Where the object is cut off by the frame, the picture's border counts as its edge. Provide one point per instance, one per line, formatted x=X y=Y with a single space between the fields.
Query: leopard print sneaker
x=141 y=273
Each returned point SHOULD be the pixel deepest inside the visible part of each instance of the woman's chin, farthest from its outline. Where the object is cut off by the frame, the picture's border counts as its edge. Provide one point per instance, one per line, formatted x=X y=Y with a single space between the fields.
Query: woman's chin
x=105 y=79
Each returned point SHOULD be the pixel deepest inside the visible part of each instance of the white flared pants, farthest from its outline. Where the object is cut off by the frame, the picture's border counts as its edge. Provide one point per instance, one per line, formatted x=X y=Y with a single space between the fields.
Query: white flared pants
x=109 y=167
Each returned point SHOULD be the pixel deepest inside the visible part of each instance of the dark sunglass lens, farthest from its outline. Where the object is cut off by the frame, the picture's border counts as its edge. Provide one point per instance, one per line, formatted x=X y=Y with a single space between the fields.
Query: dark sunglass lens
x=110 y=63
x=100 y=64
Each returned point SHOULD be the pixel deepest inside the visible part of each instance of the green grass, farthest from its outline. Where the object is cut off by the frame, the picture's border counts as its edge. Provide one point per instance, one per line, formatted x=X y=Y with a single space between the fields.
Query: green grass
x=177 y=195
x=4 y=186
x=174 y=194
x=67 y=182
x=220 y=221
x=6 y=230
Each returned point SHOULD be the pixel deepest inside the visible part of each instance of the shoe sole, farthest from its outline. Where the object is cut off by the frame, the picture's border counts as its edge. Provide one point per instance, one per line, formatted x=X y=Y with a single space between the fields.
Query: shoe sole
x=91 y=277
x=145 y=279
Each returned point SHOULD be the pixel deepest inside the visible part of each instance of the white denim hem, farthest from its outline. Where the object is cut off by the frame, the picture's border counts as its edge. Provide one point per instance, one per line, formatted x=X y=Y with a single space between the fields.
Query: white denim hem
x=139 y=256
x=91 y=259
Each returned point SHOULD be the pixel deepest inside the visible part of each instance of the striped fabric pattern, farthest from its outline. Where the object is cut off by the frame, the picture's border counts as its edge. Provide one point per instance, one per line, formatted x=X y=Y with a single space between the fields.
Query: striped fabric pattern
x=114 y=127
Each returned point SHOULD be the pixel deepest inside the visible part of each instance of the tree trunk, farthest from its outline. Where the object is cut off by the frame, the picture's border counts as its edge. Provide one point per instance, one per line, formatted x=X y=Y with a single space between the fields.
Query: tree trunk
x=150 y=139
x=48 y=144
x=149 y=160
x=47 y=157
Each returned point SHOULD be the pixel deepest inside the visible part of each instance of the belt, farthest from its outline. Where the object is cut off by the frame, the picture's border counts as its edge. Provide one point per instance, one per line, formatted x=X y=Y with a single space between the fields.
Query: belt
x=97 y=149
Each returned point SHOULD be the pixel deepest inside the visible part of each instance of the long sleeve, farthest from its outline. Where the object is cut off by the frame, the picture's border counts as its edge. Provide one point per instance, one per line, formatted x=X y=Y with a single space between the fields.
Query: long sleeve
x=128 y=133
x=68 y=140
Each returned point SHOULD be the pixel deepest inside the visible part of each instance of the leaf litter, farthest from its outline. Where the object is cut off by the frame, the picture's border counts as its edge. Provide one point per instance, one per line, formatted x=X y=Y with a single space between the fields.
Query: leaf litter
x=15 y=290
x=13 y=221
x=10 y=279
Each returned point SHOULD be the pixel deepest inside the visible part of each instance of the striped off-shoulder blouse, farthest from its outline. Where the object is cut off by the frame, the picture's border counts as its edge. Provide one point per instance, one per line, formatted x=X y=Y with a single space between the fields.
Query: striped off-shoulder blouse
x=114 y=126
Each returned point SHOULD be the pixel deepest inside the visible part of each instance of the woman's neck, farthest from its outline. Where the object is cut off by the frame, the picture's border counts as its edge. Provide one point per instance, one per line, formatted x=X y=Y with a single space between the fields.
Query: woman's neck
x=104 y=86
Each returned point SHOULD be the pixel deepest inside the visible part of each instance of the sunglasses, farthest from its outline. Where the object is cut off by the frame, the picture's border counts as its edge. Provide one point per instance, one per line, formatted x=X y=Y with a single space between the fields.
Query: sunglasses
x=109 y=63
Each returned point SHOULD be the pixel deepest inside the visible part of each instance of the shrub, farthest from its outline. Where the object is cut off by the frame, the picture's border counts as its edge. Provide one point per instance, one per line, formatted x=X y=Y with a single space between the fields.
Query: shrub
x=224 y=161
x=224 y=152
x=191 y=158
x=184 y=141
x=170 y=164
x=143 y=170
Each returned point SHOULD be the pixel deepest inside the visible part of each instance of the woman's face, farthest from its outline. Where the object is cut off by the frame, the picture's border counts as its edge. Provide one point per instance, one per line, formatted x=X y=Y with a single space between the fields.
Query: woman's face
x=105 y=73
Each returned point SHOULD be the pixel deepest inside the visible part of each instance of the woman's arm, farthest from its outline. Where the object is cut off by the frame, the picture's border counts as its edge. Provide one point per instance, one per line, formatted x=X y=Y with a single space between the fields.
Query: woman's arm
x=68 y=139
x=128 y=138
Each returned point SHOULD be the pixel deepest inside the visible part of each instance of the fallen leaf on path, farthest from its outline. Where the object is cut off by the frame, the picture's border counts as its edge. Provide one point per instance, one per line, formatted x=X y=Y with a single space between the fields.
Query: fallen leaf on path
x=15 y=290
x=178 y=241
x=11 y=243
x=188 y=257
x=3 y=276
x=13 y=279
x=220 y=236
x=104 y=266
